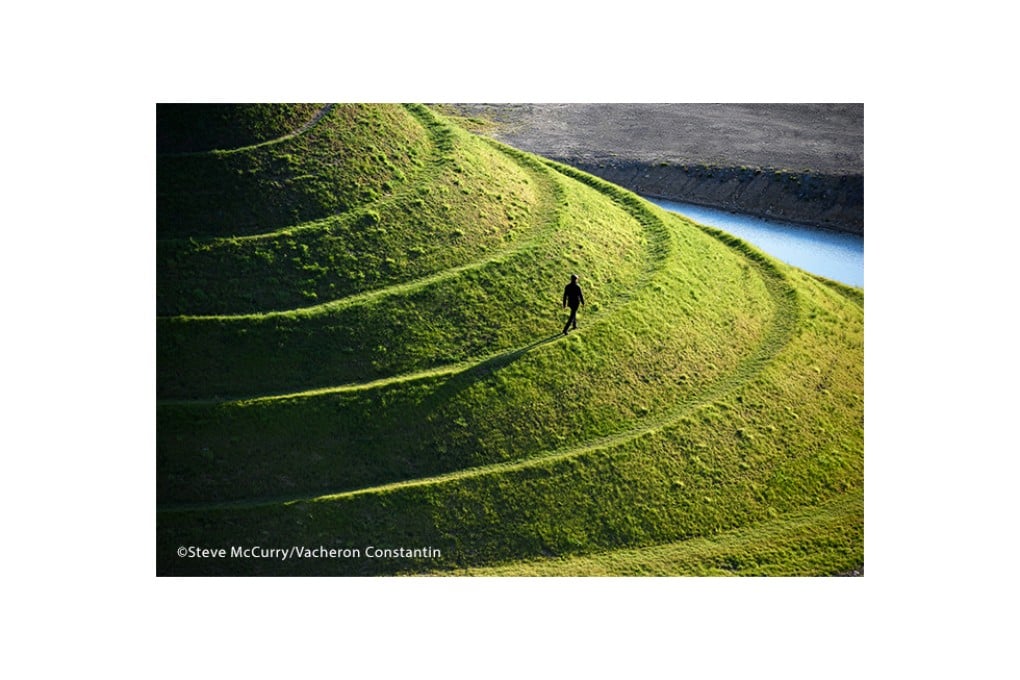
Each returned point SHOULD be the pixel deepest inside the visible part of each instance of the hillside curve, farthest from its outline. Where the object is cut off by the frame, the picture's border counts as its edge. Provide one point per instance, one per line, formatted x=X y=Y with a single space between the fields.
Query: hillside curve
x=462 y=446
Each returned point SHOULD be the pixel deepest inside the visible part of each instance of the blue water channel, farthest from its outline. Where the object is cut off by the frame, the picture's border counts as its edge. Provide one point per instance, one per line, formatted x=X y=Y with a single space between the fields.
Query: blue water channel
x=831 y=254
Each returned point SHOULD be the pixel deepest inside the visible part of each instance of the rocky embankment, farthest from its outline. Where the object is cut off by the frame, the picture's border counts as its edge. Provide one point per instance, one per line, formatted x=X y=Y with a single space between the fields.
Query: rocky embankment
x=822 y=200
x=796 y=162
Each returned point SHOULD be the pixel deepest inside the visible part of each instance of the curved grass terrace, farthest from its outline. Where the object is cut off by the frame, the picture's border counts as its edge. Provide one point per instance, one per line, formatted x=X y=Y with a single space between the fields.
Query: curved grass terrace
x=711 y=396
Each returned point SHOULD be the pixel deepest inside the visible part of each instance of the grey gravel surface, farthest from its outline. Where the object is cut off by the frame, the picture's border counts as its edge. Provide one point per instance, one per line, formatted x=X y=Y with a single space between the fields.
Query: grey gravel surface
x=795 y=162
x=824 y=138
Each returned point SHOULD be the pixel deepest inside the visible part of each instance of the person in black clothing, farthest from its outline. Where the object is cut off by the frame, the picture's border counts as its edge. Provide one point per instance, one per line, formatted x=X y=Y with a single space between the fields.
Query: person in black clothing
x=572 y=294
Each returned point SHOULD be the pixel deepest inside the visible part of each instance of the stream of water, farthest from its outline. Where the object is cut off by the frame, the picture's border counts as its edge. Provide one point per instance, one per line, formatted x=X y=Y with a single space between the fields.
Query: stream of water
x=834 y=255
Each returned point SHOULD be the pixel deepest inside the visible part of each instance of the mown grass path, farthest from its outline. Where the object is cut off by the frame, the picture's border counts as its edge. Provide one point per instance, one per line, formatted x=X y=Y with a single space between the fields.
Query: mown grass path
x=799 y=543
x=205 y=248
x=706 y=418
x=778 y=334
x=440 y=146
x=547 y=226
x=232 y=330
x=548 y=223
x=312 y=122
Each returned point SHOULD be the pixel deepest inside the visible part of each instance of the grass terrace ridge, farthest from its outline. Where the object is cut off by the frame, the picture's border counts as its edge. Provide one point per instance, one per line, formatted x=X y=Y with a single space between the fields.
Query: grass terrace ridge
x=358 y=346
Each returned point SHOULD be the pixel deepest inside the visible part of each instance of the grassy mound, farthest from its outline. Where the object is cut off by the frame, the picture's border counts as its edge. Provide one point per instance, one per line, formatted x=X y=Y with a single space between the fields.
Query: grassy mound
x=388 y=371
x=352 y=155
x=190 y=128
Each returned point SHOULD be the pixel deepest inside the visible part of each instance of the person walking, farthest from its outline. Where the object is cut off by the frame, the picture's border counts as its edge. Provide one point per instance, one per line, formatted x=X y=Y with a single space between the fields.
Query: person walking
x=573 y=296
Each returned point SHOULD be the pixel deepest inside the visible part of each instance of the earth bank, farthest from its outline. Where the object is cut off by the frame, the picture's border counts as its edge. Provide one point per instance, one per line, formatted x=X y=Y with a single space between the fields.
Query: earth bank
x=796 y=162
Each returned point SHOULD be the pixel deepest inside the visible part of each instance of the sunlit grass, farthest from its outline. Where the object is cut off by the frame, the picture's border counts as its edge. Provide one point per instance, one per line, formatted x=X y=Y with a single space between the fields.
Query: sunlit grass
x=706 y=418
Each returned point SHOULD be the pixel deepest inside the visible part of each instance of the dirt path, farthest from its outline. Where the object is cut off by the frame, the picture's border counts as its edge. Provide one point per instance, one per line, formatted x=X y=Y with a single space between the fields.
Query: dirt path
x=315 y=119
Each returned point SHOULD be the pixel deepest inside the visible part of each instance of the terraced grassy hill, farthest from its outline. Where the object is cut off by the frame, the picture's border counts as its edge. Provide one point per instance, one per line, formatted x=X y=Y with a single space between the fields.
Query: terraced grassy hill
x=359 y=348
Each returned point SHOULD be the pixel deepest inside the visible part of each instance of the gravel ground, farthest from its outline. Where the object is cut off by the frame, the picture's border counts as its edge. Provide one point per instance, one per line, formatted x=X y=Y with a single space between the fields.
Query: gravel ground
x=794 y=162
x=824 y=138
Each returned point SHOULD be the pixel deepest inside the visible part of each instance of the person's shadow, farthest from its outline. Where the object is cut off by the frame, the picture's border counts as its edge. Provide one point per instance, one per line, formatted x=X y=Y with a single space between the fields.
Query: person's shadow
x=468 y=377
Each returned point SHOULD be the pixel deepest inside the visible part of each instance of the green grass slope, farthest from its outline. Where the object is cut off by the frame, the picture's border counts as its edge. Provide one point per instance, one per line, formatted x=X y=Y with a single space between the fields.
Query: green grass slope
x=386 y=370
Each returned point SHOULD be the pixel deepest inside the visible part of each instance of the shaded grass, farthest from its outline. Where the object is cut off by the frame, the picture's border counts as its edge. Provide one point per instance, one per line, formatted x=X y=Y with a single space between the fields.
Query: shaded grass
x=487 y=414
x=506 y=302
x=468 y=202
x=851 y=293
x=190 y=128
x=708 y=417
x=744 y=458
x=823 y=540
x=355 y=155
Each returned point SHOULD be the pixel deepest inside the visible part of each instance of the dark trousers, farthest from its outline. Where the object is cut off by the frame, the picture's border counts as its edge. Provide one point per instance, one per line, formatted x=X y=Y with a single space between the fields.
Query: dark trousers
x=572 y=319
